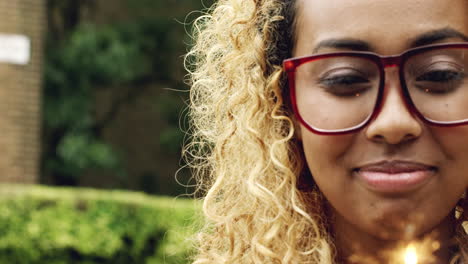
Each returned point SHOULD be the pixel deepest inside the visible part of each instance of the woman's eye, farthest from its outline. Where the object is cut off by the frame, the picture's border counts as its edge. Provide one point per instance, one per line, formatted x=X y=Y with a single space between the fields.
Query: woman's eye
x=344 y=80
x=345 y=85
x=440 y=76
x=440 y=81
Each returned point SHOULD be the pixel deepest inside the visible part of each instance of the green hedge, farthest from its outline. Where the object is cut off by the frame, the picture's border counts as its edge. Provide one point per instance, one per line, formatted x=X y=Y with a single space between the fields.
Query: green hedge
x=74 y=225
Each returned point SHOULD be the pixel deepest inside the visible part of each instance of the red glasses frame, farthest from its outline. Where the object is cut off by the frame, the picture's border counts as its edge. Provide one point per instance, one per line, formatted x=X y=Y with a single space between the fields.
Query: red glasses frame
x=382 y=62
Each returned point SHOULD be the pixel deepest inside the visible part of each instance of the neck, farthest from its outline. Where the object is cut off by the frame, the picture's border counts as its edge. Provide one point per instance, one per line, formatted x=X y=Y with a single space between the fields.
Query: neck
x=356 y=246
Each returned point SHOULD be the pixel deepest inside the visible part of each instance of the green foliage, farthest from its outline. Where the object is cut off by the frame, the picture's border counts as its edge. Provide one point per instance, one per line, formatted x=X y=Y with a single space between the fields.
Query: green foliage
x=171 y=136
x=81 y=151
x=91 y=58
x=106 y=54
x=58 y=225
x=83 y=58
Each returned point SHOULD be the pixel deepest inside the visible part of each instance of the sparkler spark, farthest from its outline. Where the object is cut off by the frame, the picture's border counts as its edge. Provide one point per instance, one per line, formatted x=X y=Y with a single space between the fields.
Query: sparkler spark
x=411 y=256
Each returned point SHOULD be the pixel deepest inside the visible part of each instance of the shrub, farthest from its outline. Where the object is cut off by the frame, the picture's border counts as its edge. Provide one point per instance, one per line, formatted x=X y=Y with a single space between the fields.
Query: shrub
x=75 y=225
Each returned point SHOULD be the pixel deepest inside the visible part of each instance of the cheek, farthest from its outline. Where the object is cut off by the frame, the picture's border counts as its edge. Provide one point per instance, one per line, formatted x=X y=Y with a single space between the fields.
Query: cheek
x=325 y=154
x=454 y=144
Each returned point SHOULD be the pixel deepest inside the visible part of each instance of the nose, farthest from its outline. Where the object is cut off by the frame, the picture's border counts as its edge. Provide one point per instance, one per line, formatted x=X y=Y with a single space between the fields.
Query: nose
x=395 y=123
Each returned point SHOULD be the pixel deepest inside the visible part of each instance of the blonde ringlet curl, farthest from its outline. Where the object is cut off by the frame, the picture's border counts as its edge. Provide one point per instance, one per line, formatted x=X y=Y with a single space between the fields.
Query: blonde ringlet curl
x=243 y=148
x=243 y=142
x=461 y=228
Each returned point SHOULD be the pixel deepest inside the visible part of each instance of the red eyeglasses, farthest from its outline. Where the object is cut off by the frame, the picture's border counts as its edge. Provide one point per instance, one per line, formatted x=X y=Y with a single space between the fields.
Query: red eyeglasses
x=339 y=93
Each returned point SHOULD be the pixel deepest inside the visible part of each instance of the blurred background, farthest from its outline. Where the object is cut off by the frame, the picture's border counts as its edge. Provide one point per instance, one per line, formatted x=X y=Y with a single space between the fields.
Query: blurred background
x=100 y=102
x=92 y=100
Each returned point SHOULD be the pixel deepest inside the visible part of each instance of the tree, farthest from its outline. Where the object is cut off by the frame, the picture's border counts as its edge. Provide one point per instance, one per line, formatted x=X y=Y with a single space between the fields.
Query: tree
x=104 y=58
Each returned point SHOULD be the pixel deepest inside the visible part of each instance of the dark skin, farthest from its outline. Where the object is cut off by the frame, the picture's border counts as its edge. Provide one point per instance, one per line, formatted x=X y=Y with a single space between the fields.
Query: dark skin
x=365 y=221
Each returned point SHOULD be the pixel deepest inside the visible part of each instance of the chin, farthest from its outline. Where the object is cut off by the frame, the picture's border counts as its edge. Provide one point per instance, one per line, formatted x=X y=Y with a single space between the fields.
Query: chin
x=399 y=227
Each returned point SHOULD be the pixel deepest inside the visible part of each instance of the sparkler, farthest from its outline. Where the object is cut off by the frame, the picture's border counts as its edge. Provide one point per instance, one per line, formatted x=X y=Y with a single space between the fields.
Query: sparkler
x=408 y=251
x=417 y=252
x=411 y=256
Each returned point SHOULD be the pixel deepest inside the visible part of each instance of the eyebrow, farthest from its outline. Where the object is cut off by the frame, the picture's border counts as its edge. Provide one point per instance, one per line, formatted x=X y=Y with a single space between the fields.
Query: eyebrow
x=343 y=43
x=421 y=40
x=437 y=35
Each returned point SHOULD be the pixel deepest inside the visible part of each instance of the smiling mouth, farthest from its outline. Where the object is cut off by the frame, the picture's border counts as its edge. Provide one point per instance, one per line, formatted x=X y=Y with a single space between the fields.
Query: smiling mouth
x=394 y=176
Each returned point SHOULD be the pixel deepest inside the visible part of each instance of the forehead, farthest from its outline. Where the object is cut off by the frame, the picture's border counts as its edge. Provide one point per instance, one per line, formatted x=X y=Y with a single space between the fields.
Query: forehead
x=388 y=25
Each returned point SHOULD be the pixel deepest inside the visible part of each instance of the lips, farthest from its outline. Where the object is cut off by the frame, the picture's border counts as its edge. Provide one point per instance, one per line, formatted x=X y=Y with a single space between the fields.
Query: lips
x=395 y=176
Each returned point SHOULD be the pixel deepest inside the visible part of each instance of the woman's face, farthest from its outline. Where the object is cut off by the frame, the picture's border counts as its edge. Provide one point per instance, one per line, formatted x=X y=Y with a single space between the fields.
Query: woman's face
x=342 y=165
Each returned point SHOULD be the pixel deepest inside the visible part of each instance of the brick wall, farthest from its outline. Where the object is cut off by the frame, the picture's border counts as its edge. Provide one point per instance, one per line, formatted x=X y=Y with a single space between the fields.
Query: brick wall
x=20 y=93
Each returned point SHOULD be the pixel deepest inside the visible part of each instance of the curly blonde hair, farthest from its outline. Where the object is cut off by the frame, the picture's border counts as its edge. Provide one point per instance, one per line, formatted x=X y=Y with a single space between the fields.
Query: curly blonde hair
x=244 y=151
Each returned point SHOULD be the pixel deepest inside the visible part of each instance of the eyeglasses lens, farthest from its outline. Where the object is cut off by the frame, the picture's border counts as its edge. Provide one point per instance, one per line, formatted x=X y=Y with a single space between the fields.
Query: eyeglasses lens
x=335 y=93
x=437 y=83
